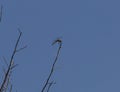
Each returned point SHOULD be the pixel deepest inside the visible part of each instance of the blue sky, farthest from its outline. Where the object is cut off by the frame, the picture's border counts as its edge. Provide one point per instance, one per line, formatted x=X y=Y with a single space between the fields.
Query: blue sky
x=90 y=57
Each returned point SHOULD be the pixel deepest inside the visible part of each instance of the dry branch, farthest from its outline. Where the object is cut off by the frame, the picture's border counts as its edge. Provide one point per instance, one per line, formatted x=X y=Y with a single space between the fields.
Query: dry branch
x=8 y=72
x=50 y=85
x=53 y=65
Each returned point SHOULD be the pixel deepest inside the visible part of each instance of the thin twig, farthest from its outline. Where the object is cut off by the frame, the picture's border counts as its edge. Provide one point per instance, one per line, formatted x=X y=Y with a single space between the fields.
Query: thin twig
x=14 y=66
x=50 y=85
x=5 y=61
x=7 y=84
x=10 y=64
x=53 y=66
x=21 y=48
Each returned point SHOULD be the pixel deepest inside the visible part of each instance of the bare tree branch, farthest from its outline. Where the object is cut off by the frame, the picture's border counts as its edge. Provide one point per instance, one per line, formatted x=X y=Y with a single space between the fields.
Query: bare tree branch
x=21 y=48
x=7 y=74
x=53 y=66
x=50 y=85
x=14 y=66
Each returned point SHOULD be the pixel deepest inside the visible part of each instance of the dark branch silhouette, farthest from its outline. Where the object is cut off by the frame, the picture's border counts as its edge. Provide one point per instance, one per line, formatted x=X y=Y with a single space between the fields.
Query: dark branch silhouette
x=21 y=48
x=8 y=72
x=53 y=66
x=50 y=85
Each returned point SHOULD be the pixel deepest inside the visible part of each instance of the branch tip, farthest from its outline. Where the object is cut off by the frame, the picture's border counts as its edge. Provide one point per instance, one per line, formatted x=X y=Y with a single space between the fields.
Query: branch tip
x=59 y=41
x=19 y=31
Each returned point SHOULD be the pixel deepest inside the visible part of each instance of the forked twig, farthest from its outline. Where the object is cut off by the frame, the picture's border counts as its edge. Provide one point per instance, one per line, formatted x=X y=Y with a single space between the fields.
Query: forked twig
x=7 y=74
x=21 y=48
x=50 y=85
x=53 y=65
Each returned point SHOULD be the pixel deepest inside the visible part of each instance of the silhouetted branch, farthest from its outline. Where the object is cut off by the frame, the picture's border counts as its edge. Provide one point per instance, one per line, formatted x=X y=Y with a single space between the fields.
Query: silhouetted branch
x=52 y=68
x=13 y=66
x=8 y=72
x=21 y=48
x=49 y=86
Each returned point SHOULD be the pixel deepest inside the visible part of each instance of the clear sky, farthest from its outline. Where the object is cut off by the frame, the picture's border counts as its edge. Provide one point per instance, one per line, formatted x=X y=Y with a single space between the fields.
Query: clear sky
x=90 y=57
